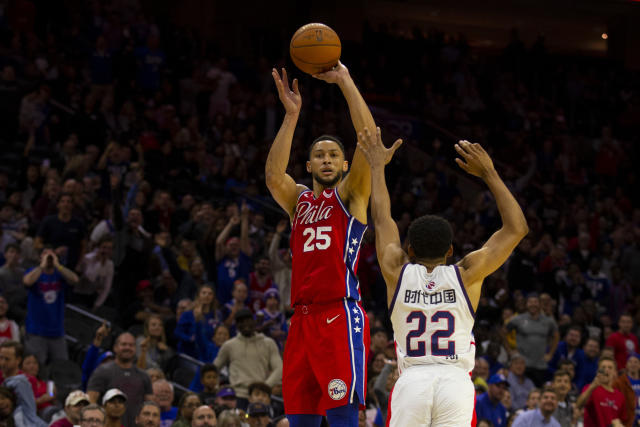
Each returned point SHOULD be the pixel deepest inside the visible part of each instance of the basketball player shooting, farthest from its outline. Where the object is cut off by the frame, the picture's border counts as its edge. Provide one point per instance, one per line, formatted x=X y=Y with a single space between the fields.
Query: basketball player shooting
x=432 y=304
x=326 y=351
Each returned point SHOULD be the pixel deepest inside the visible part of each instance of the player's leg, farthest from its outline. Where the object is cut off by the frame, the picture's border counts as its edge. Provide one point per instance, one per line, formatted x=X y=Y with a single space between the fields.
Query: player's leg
x=412 y=398
x=301 y=420
x=454 y=399
x=344 y=416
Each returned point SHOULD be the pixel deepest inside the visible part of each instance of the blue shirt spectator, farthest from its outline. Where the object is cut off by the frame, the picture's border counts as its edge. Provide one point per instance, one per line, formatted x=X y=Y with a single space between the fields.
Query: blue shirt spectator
x=488 y=404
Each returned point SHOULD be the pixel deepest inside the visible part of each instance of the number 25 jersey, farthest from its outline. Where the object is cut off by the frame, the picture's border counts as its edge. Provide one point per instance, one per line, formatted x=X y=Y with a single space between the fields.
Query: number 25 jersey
x=432 y=318
x=325 y=244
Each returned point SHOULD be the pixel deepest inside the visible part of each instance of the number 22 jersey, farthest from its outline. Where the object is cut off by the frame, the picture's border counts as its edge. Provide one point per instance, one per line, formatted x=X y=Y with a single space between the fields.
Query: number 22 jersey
x=432 y=318
x=325 y=244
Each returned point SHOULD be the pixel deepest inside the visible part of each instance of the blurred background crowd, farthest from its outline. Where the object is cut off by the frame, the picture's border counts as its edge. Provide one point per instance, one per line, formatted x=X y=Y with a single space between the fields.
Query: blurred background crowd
x=144 y=263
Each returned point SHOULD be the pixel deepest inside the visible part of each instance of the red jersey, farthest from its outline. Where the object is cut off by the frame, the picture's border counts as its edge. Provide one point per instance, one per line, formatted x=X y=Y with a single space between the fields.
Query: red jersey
x=603 y=407
x=257 y=290
x=623 y=345
x=325 y=244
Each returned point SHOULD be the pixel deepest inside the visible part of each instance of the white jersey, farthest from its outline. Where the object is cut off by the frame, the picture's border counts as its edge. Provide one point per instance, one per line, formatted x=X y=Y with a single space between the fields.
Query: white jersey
x=432 y=318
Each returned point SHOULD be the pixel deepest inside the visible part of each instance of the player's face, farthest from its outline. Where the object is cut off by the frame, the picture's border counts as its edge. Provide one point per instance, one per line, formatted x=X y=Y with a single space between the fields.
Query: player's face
x=327 y=164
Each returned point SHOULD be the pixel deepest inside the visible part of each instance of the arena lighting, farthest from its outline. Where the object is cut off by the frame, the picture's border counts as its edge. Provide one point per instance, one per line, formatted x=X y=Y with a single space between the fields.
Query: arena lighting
x=605 y=36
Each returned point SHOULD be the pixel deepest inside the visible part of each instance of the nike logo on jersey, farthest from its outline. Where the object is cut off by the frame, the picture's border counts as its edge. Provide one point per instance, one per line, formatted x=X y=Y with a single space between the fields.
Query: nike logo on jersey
x=332 y=319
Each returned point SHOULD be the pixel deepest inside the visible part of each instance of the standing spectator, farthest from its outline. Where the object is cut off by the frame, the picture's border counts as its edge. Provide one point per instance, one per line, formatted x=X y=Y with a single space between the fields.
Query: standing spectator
x=186 y=407
x=519 y=385
x=209 y=379
x=31 y=368
x=233 y=255
x=96 y=274
x=171 y=323
x=488 y=404
x=603 y=405
x=63 y=232
x=536 y=338
x=569 y=348
x=122 y=374
x=163 y=396
x=9 y=330
x=72 y=407
x=198 y=323
x=151 y=61
x=543 y=415
x=45 y=204
x=250 y=356
x=114 y=402
x=203 y=416
x=629 y=384
x=624 y=342
x=151 y=349
x=260 y=281
x=597 y=282
x=47 y=285
x=148 y=415
x=587 y=371
x=11 y=286
x=281 y=265
x=562 y=385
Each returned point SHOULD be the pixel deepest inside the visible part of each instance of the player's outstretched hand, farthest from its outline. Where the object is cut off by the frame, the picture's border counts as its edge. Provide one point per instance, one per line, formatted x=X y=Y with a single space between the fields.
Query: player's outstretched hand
x=289 y=96
x=374 y=151
x=475 y=160
x=335 y=75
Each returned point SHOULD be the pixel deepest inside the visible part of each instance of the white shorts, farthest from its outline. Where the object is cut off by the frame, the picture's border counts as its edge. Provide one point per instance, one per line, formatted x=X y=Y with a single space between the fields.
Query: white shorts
x=432 y=396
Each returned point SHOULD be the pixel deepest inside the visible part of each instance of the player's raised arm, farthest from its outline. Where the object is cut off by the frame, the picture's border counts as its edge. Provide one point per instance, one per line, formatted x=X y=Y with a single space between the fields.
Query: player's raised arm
x=391 y=257
x=282 y=187
x=357 y=184
x=479 y=264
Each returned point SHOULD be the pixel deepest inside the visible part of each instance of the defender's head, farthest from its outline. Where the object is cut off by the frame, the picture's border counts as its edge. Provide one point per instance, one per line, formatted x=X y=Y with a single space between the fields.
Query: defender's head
x=430 y=237
x=326 y=160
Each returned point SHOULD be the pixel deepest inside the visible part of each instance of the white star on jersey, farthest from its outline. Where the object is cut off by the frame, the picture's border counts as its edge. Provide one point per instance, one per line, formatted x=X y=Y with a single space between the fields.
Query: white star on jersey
x=354 y=241
x=357 y=319
x=350 y=251
x=355 y=310
x=357 y=329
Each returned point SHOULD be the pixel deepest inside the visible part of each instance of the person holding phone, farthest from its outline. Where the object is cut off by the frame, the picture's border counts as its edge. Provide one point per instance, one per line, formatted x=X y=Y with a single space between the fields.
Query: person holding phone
x=603 y=405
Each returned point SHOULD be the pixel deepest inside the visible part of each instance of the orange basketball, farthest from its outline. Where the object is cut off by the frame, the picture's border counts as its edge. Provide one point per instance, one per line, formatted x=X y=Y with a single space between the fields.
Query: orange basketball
x=315 y=48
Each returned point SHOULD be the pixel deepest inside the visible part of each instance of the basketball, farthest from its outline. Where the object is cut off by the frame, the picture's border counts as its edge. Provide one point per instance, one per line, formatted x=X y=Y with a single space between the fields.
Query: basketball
x=315 y=48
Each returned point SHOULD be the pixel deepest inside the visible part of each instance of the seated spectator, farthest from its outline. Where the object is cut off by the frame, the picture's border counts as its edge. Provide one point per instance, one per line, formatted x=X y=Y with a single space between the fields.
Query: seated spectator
x=519 y=384
x=281 y=265
x=233 y=256
x=148 y=415
x=151 y=349
x=47 y=285
x=155 y=374
x=163 y=396
x=569 y=348
x=96 y=275
x=114 y=402
x=566 y=406
x=603 y=405
x=171 y=323
x=95 y=356
x=11 y=354
x=197 y=323
x=261 y=393
x=589 y=367
x=569 y=367
x=11 y=285
x=250 y=357
x=92 y=415
x=506 y=402
x=31 y=368
x=543 y=415
x=271 y=320
x=7 y=406
x=260 y=281
x=73 y=404
x=9 y=330
x=186 y=407
x=225 y=399
x=258 y=415
x=624 y=342
x=628 y=382
x=480 y=374
x=384 y=384
x=209 y=379
x=240 y=295
x=489 y=405
x=204 y=416
x=144 y=305
x=208 y=350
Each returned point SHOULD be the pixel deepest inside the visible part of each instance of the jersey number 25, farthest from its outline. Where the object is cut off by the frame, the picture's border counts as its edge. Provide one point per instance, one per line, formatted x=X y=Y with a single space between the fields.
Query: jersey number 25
x=318 y=238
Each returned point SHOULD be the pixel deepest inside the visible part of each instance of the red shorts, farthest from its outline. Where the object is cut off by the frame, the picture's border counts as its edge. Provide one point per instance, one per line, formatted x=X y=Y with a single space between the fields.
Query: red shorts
x=325 y=357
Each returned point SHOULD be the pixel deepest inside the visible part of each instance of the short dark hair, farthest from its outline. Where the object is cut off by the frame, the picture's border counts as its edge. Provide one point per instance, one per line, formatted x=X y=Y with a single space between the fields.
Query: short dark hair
x=327 y=138
x=18 y=348
x=606 y=358
x=430 y=236
x=207 y=368
x=12 y=246
x=260 y=387
x=561 y=373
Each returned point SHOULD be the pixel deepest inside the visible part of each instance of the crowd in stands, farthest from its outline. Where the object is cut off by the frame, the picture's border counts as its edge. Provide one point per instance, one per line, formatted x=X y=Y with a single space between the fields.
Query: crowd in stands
x=132 y=187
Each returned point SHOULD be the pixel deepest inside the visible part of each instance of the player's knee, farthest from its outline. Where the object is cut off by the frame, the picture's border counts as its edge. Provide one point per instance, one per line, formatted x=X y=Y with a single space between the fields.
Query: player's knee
x=343 y=416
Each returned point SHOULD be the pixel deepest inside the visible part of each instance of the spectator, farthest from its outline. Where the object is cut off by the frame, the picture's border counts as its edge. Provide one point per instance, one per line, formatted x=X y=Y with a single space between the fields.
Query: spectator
x=506 y=402
x=9 y=330
x=226 y=399
x=624 y=342
x=603 y=405
x=589 y=367
x=561 y=384
x=7 y=406
x=271 y=321
x=488 y=404
x=163 y=396
x=63 y=232
x=233 y=256
x=11 y=353
x=519 y=385
x=597 y=282
x=629 y=384
x=95 y=356
x=186 y=407
x=384 y=384
x=151 y=349
x=261 y=393
x=543 y=415
x=260 y=281
x=198 y=323
x=281 y=265
x=92 y=415
x=480 y=373
x=537 y=339
x=96 y=275
x=47 y=285
x=203 y=416
x=31 y=368
x=124 y=375
x=239 y=301
x=73 y=404
x=258 y=415
x=569 y=348
x=24 y=414
x=171 y=323
x=114 y=402
x=155 y=374
x=11 y=286
x=148 y=415
x=250 y=357
x=208 y=350
x=209 y=379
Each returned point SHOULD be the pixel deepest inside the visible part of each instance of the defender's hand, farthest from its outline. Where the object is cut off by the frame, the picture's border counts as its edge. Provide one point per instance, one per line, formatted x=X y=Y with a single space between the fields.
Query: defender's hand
x=374 y=151
x=291 y=99
x=476 y=160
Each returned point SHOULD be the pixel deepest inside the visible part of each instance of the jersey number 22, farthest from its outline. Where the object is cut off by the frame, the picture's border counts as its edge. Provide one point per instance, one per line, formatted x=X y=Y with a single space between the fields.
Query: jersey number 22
x=436 y=350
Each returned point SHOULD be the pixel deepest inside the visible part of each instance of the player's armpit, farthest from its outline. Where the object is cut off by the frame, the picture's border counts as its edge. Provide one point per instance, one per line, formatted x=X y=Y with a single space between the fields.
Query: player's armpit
x=285 y=191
